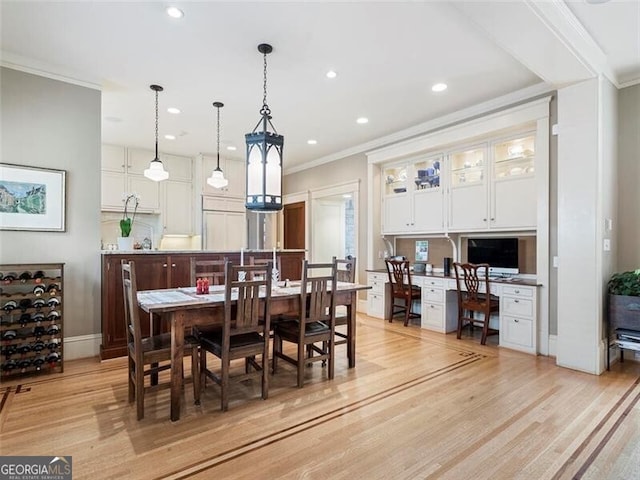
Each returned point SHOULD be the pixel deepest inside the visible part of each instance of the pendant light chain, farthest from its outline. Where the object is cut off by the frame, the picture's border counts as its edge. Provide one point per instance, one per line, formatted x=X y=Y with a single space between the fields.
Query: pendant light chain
x=265 y=108
x=218 y=137
x=156 y=124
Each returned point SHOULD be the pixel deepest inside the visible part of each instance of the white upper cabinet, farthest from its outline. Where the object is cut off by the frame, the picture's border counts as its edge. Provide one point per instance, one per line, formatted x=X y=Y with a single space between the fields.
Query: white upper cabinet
x=114 y=158
x=468 y=203
x=513 y=183
x=494 y=186
x=138 y=160
x=180 y=168
x=413 y=196
x=234 y=172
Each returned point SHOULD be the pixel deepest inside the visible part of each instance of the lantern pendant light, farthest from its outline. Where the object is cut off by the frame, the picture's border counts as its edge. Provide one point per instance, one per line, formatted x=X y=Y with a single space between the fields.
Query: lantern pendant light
x=217 y=180
x=156 y=171
x=264 y=156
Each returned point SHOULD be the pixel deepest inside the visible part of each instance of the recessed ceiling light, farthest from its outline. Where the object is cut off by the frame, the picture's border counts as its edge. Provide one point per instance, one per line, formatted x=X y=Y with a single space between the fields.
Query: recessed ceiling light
x=331 y=74
x=175 y=12
x=362 y=120
x=173 y=110
x=312 y=142
x=232 y=148
x=439 y=87
x=170 y=137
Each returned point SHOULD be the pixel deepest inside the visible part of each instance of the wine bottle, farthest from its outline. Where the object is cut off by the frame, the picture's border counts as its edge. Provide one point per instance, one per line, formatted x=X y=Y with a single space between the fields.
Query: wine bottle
x=24 y=304
x=38 y=362
x=38 y=303
x=10 y=305
x=38 y=276
x=24 y=276
x=38 y=290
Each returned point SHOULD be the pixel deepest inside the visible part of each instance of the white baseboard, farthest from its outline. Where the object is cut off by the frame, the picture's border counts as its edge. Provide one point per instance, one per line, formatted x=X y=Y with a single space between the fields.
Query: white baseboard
x=82 y=346
x=553 y=345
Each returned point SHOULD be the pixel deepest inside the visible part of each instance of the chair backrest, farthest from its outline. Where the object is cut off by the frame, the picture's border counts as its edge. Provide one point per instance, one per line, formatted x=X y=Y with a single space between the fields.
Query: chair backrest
x=252 y=312
x=265 y=261
x=317 y=294
x=399 y=276
x=345 y=269
x=472 y=276
x=213 y=270
x=132 y=318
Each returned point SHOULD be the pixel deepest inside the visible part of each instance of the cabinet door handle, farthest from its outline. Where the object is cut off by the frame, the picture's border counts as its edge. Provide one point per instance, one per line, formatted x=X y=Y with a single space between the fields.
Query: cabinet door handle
x=173 y=265
x=517 y=291
x=493 y=219
x=516 y=301
x=164 y=265
x=516 y=320
x=484 y=219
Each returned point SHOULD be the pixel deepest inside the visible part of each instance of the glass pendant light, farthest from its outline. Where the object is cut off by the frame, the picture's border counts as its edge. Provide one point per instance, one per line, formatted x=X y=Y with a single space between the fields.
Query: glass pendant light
x=156 y=171
x=217 y=180
x=264 y=156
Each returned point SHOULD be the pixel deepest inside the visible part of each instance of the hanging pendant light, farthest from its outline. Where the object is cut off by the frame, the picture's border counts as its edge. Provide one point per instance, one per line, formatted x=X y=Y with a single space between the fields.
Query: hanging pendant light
x=217 y=180
x=156 y=171
x=264 y=156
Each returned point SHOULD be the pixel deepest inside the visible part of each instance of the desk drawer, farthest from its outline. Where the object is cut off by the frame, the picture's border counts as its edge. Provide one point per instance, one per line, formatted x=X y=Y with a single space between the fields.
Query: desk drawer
x=517 y=332
x=517 y=291
x=517 y=306
x=375 y=305
x=432 y=317
x=432 y=295
x=432 y=282
x=376 y=281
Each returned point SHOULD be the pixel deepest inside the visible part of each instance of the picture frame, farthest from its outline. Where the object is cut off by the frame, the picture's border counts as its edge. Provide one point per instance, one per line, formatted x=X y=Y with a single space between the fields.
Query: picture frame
x=32 y=198
x=422 y=250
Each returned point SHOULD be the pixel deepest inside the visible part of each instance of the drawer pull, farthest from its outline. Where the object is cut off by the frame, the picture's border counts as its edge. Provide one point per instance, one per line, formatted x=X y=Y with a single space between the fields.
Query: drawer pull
x=516 y=301
x=516 y=320
x=517 y=291
x=173 y=265
x=164 y=265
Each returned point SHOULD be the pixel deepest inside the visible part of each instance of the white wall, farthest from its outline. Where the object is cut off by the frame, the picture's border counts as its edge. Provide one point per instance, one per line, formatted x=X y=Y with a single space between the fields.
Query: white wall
x=587 y=115
x=52 y=124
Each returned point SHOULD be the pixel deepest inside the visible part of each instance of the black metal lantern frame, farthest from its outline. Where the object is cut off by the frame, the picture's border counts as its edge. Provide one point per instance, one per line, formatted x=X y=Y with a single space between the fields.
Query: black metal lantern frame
x=264 y=157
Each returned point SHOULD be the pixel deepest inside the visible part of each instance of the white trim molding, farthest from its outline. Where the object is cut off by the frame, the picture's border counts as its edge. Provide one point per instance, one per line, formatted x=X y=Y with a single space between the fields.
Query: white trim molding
x=82 y=346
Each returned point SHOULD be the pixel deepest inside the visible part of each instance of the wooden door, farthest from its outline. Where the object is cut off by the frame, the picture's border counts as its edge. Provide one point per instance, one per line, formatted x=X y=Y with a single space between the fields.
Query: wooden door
x=294 y=226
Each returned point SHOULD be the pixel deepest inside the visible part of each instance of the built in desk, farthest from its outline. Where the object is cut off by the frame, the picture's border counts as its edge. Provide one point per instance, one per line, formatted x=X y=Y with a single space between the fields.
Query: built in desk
x=518 y=318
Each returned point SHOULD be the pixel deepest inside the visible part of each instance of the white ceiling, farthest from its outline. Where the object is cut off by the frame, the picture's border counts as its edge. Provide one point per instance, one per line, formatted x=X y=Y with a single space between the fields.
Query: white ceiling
x=387 y=56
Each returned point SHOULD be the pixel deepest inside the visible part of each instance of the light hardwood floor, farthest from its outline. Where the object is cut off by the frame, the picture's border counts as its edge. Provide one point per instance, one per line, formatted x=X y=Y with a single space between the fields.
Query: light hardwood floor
x=418 y=405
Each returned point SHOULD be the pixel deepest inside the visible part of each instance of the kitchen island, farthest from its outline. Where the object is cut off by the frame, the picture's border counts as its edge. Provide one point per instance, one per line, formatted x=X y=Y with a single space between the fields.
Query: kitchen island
x=164 y=269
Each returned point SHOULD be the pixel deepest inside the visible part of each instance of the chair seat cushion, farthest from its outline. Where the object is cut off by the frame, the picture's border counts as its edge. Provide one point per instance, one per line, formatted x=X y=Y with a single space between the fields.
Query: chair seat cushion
x=213 y=341
x=163 y=342
x=291 y=328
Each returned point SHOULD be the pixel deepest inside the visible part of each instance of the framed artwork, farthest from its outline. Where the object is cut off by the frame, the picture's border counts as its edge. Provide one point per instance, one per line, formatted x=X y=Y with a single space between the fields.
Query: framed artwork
x=32 y=198
x=422 y=250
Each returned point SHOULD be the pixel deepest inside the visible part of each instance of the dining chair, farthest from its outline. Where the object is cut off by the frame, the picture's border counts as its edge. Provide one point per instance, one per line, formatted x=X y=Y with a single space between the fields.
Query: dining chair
x=469 y=280
x=149 y=351
x=245 y=331
x=265 y=261
x=315 y=324
x=213 y=270
x=402 y=289
x=345 y=272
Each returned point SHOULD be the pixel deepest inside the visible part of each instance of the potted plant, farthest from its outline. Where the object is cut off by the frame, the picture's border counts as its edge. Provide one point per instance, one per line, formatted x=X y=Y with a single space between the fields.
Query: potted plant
x=125 y=240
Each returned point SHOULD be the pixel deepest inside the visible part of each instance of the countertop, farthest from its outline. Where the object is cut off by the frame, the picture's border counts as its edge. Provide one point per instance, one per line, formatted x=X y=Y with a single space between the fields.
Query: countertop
x=531 y=282
x=193 y=252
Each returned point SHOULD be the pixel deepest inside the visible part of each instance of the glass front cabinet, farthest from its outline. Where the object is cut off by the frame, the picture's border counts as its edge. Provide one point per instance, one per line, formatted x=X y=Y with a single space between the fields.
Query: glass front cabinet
x=469 y=188
x=413 y=197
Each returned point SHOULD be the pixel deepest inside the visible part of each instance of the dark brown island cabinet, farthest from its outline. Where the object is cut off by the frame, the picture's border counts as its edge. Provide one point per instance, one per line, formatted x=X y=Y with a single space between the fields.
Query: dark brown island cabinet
x=158 y=269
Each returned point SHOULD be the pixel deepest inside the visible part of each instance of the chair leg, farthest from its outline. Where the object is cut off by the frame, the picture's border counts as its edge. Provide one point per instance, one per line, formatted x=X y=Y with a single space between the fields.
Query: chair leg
x=460 y=322
x=132 y=384
x=485 y=331
x=407 y=312
x=224 y=383
x=331 y=358
x=301 y=364
x=203 y=367
x=277 y=348
x=139 y=390
x=195 y=373
x=265 y=373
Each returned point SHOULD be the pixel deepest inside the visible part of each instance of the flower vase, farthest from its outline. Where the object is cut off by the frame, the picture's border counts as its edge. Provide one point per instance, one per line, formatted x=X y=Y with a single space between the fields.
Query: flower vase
x=125 y=243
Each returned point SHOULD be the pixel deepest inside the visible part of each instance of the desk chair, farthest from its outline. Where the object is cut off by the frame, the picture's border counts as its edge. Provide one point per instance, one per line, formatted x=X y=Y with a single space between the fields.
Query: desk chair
x=470 y=300
x=245 y=333
x=150 y=350
x=401 y=288
x=345 y=272
x=315 y=324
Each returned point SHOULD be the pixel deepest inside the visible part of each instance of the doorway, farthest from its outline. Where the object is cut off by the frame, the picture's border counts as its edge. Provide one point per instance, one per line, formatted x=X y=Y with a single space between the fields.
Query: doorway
x=334 y=227
x=294 y=225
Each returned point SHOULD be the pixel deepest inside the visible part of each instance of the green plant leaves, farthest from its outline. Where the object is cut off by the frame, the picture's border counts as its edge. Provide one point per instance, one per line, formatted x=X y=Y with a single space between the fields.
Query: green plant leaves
x=125 y=227
x=626 y=283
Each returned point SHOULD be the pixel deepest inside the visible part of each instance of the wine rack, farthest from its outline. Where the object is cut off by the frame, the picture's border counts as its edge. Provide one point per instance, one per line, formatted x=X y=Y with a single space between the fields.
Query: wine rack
x=31 y=319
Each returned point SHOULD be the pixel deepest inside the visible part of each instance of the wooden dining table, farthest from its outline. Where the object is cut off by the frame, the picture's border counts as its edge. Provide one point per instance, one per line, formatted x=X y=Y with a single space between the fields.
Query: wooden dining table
x=182 y=307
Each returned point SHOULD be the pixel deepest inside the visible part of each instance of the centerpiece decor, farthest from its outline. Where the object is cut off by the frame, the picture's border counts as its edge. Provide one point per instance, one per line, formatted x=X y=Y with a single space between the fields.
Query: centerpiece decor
x=125 y=240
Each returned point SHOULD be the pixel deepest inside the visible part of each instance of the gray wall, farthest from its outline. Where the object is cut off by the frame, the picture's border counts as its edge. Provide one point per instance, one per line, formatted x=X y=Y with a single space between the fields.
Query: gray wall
x=628 y=179
x=52 y=124
x=345 y=170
